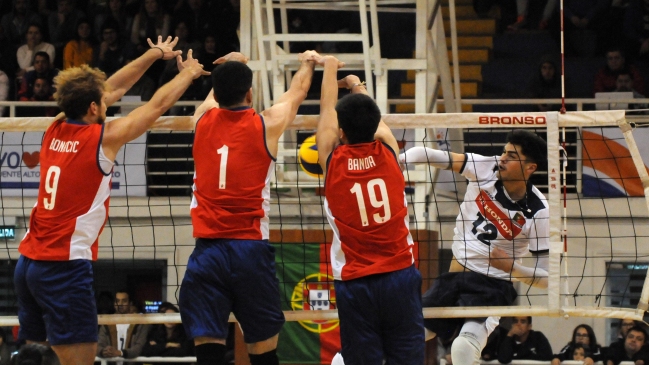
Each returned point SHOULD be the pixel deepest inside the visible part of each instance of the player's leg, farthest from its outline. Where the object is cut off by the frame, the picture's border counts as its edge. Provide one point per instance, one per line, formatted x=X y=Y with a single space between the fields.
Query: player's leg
x=30 y=315
x=360 y=321
x=80 y=353
x=402 y=320
x=257 y=303
x=205 y=300
x=468 y=345
x=443 y=293
x=63 y=291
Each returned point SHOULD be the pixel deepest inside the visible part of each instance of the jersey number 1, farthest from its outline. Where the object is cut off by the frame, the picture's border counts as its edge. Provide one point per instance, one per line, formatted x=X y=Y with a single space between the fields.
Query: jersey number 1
x=223 y=151
x=384 y=202
x=51 y=184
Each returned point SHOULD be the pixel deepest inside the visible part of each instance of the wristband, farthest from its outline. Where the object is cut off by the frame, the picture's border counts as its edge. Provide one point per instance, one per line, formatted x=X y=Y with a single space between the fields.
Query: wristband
x=356 y=84
x=163 y=52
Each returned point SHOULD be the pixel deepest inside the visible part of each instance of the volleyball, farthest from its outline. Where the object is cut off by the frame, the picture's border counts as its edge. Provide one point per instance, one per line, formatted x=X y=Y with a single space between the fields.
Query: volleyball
x=308 y=157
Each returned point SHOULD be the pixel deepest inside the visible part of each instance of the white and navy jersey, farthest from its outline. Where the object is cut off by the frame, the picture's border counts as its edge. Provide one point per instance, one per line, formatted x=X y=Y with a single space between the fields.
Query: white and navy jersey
x=488 y=217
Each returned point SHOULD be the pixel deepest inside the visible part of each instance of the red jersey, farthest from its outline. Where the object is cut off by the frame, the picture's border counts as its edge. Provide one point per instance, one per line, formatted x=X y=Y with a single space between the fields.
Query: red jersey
x=233 y=168
x=73 y=194
x=366 y=206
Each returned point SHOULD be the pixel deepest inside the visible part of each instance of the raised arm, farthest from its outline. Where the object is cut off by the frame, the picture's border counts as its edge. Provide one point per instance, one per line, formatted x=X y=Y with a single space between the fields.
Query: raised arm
x=439 y=159
x=122 y=80
x=122 y=130
x=533 y=276
x=283 y=112
x=327 y=136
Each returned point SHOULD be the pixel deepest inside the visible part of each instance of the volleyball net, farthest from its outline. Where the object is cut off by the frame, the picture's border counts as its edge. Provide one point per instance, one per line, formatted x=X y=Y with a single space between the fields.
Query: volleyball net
x=595 y=183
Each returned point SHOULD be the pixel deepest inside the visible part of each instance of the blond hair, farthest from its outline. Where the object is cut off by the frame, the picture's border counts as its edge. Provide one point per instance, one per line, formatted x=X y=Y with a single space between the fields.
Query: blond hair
x=77 y=88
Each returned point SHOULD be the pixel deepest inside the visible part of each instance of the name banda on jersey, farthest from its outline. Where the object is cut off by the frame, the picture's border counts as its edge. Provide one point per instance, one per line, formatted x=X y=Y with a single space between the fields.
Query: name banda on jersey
x=355 y=164
x=64 y=146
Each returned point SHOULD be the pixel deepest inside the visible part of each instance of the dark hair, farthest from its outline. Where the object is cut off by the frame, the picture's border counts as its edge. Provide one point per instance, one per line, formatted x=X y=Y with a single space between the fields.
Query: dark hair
x=586 y=349
x=231 y=81
x=165 y=306
x=638 y=329
x=42 y=54
x=532 y=146
x=35 y=354
x=76 y=29
x=359 y=117
x=615 y=49
x=110 y=23
x=592 y=339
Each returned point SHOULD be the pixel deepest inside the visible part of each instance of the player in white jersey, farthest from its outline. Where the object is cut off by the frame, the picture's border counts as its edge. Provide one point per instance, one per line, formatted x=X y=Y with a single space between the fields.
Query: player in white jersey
x=502 y=218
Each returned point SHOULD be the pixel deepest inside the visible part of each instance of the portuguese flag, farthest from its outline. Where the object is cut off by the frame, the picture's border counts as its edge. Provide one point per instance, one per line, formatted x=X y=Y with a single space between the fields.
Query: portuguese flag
x=306 y=283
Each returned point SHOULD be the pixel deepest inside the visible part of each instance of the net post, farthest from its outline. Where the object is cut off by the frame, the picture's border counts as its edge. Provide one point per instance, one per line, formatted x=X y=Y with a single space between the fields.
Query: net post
x=554 y=201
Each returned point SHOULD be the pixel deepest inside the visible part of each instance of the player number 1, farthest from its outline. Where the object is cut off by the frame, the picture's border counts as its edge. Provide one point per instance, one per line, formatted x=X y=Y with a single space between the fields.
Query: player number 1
x=51 y=184
x=384 y=202
x=223 y=151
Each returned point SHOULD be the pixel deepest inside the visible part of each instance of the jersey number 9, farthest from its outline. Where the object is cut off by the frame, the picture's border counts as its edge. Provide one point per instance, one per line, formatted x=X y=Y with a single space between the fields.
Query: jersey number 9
x=51 y=184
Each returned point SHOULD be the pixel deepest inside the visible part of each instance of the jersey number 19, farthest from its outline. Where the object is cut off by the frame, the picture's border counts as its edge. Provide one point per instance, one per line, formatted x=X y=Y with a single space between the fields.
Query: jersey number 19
x=376 y=203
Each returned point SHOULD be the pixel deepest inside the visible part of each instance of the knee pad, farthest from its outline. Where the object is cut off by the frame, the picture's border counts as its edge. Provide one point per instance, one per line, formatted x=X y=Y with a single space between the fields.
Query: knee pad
x=466 y=350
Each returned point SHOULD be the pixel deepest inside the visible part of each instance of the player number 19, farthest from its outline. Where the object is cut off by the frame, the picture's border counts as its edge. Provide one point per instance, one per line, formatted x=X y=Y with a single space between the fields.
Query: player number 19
x=51 y=184
x=384 y=202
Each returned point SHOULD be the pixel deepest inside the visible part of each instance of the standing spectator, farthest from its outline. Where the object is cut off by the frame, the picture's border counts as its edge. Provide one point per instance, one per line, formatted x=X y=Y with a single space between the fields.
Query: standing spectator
x=5 y=351
x=113 y=52
x=636 y=28
x=122 y=340
x=8 y=62
x=606 y=77
x=583 y=25
x=80 y=51
x=545 y=84
x=117 y=12
x=168 y=339
x=15 y=23
x=25 y=54
x=522 y=18
x=63 y=26
x=42 y=67
x=199 y=17
x=523 y=343
x=208 y=54
x=635 y=348
x=4 y=90
x=584 y=335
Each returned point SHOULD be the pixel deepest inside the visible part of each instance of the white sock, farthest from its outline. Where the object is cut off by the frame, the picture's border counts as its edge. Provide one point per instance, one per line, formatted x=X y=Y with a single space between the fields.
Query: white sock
x=467 y=347
x=338 y=359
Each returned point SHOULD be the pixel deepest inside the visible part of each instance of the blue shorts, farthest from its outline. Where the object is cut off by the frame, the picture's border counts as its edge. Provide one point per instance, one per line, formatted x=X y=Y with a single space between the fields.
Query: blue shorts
x=381 y=318
x=464 y=289
x=56 y=301
x=235 y=276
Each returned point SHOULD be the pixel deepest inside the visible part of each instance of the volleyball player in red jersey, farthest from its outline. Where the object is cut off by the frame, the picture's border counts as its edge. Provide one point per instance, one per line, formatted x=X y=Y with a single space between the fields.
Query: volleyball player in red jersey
x=53 y=276
x=378 y=288
x=232 y=268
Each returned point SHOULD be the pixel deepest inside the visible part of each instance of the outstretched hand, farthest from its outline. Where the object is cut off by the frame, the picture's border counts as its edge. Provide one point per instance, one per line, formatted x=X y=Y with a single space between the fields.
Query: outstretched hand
x=500 y=260
x=232 y=56
x=167 y=47
x=192 y=65
x=318 y=59
x=348 y=82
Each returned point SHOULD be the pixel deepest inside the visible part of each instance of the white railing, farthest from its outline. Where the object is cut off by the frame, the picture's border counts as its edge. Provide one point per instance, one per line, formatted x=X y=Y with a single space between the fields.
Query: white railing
x=146 y=360
x=442 y=361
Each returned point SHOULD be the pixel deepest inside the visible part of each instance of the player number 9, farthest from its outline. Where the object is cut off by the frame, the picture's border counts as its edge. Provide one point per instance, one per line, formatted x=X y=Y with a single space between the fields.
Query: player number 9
x=51 y=184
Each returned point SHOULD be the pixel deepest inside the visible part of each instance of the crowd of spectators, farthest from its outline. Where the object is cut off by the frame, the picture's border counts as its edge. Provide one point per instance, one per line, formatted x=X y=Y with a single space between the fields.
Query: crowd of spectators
x=514 y=339
x=40 y=37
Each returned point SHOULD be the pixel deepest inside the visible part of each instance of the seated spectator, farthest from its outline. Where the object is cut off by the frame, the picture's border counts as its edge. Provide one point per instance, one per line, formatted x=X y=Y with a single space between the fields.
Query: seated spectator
x=523 y=343
x=42 y=92
x=206 y=56
x=150 y=22
x=8 y=62
x=42 y=67
x=122 y=340
x=624 y=326
x=490 y=351
x=35 y=354
x=580 y=352
x=117 y=13
x=80 y=50
x=105 y=303
x=635 y=28
x=169 y=339
x=5 y=351
x=606 y=77
x=15 y=24
x=62 y=25
x=114 y=52
x=583 y=23
x=633 y=349
x=4 y=90
x=25 y=54
x=625 y=83
x=584 y=335
x=545 y=84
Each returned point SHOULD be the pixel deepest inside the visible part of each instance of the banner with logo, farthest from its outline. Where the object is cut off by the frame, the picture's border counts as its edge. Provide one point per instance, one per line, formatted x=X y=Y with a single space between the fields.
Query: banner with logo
x=608 y=169
x=20 y=165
